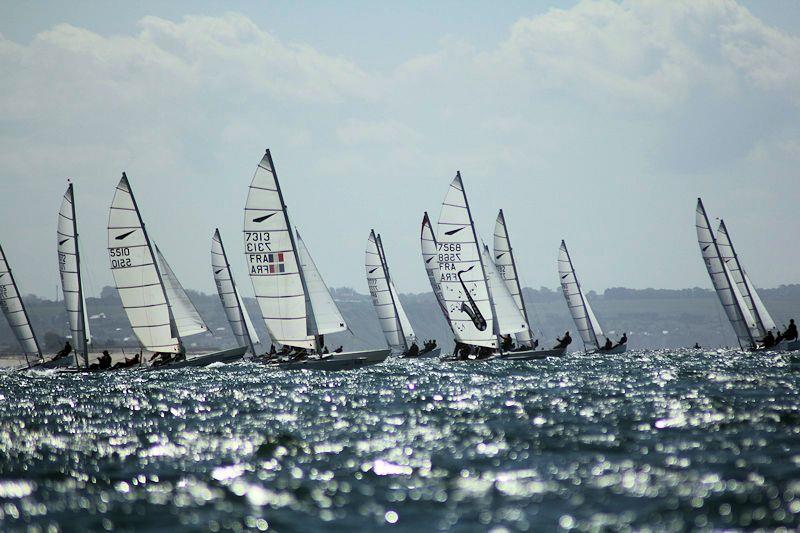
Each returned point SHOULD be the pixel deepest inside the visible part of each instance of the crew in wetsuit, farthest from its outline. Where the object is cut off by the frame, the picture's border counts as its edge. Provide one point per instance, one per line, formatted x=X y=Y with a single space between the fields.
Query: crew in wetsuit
x=65 y=351
x=413 y=350
x=697 y=346
x=507 y=345
x=133 y=361
x=791 y=332
x=622 y=340
x=608 y=345
x=103 y=362
x=769 y=340
x=339 y=349
x=563 y=342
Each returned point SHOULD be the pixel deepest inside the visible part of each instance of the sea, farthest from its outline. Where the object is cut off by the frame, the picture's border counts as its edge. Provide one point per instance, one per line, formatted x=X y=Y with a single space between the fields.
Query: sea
x=669 y=440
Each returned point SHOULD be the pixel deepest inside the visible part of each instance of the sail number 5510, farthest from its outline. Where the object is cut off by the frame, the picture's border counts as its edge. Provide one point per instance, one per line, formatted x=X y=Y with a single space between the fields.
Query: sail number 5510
x=120 y=257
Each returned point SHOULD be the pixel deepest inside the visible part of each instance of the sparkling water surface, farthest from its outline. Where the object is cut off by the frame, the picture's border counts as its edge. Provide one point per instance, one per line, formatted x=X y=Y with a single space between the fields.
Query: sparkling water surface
x=664 y=440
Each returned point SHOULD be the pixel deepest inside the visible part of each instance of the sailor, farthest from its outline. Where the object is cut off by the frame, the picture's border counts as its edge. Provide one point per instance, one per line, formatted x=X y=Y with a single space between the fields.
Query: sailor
x=791 y=332
x=65 y=351
x=507 y=345
x=104 y=362
x=128 y=362
x=769 y=340
x=338 y=350
x=608 y=345
x=413 y=350
x=325 y=350
x=272 y=349
x=623 y=339
x=696 y=346
x=563 y=342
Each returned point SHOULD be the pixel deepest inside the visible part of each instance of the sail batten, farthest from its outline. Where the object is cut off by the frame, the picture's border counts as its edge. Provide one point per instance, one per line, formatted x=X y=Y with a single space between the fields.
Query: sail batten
x=232 y=303
x=582 y=314
x=507 y=315
x=136 y=275
x=69 y=266
x=731 y=299
x=462 y=276
x=15 y=311
x=506 y=265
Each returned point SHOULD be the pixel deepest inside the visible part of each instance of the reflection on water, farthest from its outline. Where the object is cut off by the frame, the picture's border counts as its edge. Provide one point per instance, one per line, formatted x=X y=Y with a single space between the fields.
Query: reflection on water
x=670 y=440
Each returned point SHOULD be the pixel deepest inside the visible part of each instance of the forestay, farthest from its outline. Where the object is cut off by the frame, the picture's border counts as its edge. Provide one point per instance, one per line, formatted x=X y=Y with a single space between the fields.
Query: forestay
x=507 y=267
x=14 y=309
x=235 y=311
x=588 y=327
x=508 y=318
x=187 y=318
x=427 y=240
x=462 y=277
x=729 y=296
x=273 y=263
x=136 y=275
x=69 y=266
x=762 y=318
x=326 y=313
x=382 y=297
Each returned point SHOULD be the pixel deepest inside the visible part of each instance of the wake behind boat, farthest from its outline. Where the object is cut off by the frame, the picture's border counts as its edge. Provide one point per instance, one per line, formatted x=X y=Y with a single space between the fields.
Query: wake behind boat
x=295 y=303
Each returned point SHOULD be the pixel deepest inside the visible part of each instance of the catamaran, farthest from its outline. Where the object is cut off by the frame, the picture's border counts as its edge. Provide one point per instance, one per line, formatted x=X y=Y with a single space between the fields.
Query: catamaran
x=585 y=319
x=507 y=267
x=158 y=308
x=479 y=306
x=393 y=319
x=17 y=316
x=235 y=310
x=69 y=265
x=739 y=315
x=295 y=303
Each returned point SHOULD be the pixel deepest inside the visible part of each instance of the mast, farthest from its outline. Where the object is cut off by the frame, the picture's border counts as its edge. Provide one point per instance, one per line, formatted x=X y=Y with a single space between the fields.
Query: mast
x=81 y=303
x=727 y=277
x=516 y=275
x=172 y=323
x=495 y=326
x=382 y=257
x=310 y=318
x=580 y=292
x=245 y=329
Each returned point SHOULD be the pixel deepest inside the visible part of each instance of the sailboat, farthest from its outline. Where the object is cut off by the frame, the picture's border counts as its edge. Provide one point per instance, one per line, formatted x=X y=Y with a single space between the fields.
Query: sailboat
x=17 y=316
x=158 y=309
x=391 y=315
x=69 y=265
x=235 y=310
x=479 y=306
x=585 y=319
x=739 y=315
x=295 y=302
x=503 y=259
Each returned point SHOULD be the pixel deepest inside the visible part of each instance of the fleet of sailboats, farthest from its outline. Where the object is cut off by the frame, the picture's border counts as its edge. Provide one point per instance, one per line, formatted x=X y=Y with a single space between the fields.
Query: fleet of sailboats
x=477 y=289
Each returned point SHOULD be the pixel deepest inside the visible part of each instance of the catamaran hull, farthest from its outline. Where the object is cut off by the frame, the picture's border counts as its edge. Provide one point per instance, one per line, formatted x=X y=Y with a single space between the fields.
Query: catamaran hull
x=783 y=346
x=523 y=355
x=615 y=350
x=337 y=361
x=435 y=353
x=53 y=363
x=452 y=358
x=225 y=356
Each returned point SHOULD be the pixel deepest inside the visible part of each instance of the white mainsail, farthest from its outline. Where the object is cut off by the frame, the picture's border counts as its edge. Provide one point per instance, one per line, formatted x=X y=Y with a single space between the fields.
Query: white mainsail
x=588 y=327
x=69 y=265
x=14 y=309
x=507 y=267
x=763 y=320
x=382 y=296
x=187 y=317
x=462 y=276
x=137 y=276
x=235 y=311
x=405 y=324
x=729 y=296
x=508 y=318
x=272 y=261
x=427 y=241
x=327 y=316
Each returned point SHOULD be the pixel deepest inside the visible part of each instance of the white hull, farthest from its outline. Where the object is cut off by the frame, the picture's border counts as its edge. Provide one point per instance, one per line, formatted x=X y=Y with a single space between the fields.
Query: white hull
x=534 y=354
x=225 y=356
x=335 y=361
x=435 y=353
x=471 y=359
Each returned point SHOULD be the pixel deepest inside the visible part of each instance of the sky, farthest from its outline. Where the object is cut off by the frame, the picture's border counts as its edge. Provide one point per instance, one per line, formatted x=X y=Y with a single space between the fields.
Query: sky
x=595 y=122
